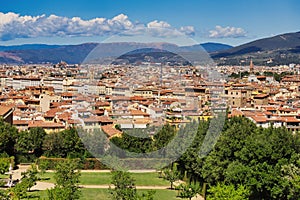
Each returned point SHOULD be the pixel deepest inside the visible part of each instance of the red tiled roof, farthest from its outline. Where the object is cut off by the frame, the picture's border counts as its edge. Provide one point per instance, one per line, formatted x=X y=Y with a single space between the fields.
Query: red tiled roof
x=43 y=124
x=4 y=110
x=20 y=122
x=110 y=130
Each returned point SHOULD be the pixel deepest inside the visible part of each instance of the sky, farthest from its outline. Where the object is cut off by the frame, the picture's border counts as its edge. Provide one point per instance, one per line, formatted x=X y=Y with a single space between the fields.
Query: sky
x=232 y=22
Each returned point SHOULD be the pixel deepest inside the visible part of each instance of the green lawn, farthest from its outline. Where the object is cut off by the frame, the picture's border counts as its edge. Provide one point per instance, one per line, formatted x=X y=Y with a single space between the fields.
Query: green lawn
x=103 y=194
x=94 y=178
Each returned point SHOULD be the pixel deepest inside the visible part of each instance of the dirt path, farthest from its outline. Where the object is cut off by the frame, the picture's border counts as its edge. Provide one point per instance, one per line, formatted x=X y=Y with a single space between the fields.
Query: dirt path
x=17 y=173
x=44 y=185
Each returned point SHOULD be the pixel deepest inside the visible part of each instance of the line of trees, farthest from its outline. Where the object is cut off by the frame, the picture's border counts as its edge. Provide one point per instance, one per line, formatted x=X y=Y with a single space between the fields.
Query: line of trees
x=260 y=163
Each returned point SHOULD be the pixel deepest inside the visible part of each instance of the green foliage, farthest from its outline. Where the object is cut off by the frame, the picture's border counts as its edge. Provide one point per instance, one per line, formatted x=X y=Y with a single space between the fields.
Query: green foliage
x=67 y=180
x=29 y=177
x=31 y=141
x=124 y=186
x=246 y=155
x=64 y=144
x=4 y=164
x=27 y=181
x=94 y=141
x=230 y=192
x=29 y=144
x=125 y=189
x=189 y=190
x=171 y=175
x=140 y=141
x=4 y=195
x=8 y=135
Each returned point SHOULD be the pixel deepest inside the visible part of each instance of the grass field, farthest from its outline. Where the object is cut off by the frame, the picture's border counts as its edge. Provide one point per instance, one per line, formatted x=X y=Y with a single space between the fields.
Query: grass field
x=99 y=178
x=94 y=178
x=103 y=194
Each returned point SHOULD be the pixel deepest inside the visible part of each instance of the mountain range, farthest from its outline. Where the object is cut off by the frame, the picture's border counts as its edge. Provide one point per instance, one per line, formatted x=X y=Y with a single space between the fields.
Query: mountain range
x=280 y=49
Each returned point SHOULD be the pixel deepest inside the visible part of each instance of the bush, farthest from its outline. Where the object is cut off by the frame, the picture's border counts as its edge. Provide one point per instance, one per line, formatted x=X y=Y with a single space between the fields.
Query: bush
x=89 y=163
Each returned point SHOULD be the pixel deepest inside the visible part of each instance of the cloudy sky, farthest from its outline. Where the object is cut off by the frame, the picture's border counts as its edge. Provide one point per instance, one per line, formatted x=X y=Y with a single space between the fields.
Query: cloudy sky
x=71 y=22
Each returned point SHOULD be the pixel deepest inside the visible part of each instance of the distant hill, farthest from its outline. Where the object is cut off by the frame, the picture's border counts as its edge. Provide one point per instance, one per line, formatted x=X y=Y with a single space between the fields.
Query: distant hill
x=28 y=47
x=280 y=49
x=208 y=47
x=41 y=53
x=151 y=55
x=70 y=53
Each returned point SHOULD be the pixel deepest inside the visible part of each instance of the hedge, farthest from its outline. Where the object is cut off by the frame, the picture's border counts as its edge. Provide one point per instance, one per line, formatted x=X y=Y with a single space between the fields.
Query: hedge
x=96 y=164
x=88 y=163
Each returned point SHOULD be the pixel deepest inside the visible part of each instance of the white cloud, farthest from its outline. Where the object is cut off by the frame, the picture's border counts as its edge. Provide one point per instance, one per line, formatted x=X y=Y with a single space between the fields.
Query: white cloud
x=158 y=24
x=227 y=32
x=14 y=26
x=188 y=30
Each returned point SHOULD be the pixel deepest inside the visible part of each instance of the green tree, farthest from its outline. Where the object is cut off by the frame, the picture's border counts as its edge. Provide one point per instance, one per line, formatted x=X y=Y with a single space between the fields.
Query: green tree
x=64 y=144
x=125 y=189
x=230 y=192
x=31 y=142
x=189 y=190
x=67 y=180
x=27 y=181
x=4 y=165
x=4 y=195
x=171 y=175
x=30 y=177
x=8 y=135
x=124 y=186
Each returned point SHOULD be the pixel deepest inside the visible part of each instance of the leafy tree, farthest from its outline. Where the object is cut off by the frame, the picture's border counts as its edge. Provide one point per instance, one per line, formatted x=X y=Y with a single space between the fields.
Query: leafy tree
x=124 y=186
x=30 y=177
x=67 y=180
x=4 y=195
x=28 y=180
x=31 y=142
x=188 y=190
x=8 y=135
x=222 y=192
x=171 y=175
x=95 y=142
x=64 y=144
x=4 y=165
x=291 y=176
x=125 y=189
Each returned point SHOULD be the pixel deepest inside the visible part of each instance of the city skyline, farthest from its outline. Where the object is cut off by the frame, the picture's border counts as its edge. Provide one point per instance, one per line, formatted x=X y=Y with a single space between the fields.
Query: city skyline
x=233 y=23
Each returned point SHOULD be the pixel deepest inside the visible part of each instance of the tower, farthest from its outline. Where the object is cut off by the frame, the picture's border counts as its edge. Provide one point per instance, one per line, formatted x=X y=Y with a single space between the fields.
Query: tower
x=251 y=67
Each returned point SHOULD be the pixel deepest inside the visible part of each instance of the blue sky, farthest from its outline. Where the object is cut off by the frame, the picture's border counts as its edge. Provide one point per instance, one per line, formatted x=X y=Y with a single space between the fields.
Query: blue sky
x=67 y=22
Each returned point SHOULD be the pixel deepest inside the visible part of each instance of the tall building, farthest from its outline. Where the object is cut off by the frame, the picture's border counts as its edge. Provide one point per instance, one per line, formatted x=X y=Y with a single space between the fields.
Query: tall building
x=251 y=67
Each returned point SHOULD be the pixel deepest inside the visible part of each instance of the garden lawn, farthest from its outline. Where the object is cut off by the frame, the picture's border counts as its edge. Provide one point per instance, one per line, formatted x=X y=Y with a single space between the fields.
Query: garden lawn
x=104 y=178
x=103 y=194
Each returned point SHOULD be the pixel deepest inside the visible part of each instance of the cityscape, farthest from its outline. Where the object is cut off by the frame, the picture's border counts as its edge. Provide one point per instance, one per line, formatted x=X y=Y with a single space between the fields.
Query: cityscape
x=134 y=102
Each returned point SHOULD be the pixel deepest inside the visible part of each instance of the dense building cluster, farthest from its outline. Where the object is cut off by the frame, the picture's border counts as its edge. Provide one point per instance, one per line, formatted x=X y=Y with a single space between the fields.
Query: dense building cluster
x=57 y=97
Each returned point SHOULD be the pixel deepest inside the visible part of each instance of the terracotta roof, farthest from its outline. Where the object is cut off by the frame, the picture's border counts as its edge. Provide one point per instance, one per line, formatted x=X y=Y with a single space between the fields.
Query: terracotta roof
x=4 y=110
x=52 y=112
x=100 y=103
x=43 y=124
x=290 y=119
x=103 y=119
x=20 y=122
x=110 y=130
x=138 y=113
x=262 y=119
x=261 y=96
x=236 y=112
x=73 y=121
x=67 y=94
